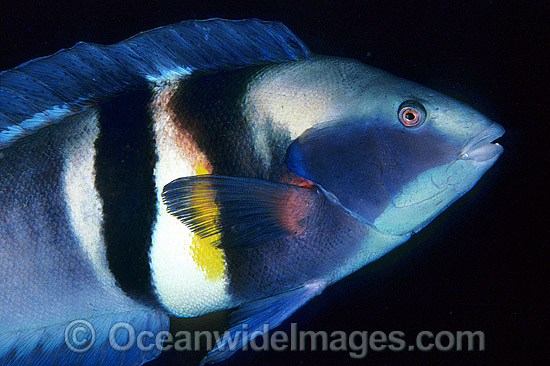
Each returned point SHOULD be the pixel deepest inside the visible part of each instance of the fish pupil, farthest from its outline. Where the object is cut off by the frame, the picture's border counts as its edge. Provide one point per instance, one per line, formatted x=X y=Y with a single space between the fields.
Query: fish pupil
x=410 y=116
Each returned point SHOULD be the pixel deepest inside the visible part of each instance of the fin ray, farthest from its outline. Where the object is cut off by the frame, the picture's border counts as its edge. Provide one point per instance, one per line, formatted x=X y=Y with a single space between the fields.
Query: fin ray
x=74 y=76
x=251 y=317
x=47 y=346
x=246 y=212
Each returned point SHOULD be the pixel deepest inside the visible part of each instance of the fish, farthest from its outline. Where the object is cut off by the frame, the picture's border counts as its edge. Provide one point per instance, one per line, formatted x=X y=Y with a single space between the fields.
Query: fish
x=208 y=165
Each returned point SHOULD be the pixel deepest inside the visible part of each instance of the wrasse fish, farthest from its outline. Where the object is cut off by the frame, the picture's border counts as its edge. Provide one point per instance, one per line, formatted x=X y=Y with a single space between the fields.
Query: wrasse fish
x=208 y=165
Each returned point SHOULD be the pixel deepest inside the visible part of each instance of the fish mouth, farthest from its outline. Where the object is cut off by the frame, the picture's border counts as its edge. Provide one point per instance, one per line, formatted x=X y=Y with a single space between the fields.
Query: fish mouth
x=482 y=146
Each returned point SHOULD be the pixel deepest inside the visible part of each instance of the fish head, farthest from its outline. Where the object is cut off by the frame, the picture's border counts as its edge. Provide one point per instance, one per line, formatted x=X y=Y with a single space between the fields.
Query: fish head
x=393 y=152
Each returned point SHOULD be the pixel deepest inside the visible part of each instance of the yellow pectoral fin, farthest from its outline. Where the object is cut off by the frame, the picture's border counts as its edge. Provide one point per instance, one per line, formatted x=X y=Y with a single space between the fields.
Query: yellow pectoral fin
x=208 y=257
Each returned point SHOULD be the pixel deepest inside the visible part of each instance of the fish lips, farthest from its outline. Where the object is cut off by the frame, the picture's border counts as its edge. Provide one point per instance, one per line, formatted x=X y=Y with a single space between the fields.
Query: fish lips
x=482 y=148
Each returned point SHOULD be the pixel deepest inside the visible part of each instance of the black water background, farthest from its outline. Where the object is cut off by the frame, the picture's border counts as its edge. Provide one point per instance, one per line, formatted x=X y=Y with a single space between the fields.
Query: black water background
x=483 y=264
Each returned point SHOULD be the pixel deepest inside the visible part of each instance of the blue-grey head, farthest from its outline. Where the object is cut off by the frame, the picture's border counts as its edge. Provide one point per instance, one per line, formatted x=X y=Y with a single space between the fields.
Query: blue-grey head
x=391 y=151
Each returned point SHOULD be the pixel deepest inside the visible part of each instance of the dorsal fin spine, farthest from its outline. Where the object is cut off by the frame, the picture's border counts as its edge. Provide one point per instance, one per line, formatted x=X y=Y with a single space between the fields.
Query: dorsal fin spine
x=66 y=79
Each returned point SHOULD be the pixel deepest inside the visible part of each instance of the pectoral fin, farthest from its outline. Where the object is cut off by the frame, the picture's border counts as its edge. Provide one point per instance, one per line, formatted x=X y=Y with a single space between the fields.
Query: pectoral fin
x=241 y=211
x=247 y=322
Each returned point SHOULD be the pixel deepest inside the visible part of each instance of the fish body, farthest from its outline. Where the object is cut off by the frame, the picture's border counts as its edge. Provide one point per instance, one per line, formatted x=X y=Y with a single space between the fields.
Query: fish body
x=204 y=166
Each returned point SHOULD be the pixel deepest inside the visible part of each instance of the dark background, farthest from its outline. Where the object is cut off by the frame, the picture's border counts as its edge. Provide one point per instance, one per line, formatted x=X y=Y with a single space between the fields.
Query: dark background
x=483 y=264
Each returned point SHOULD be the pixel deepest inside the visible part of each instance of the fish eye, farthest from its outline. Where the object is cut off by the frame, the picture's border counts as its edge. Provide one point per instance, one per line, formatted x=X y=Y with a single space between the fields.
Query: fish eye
x=411 y=113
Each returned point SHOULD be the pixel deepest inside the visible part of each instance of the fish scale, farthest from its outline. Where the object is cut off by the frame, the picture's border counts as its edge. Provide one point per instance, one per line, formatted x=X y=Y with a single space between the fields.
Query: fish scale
x=210 y=107
x=208 y=165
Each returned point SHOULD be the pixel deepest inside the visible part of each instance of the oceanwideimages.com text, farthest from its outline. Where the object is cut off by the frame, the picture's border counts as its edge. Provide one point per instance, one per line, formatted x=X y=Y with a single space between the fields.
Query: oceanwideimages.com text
x=80 y=336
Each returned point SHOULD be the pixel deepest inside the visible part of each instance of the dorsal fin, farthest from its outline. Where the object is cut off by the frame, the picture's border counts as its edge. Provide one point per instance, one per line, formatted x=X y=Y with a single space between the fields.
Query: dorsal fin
x=42 y=91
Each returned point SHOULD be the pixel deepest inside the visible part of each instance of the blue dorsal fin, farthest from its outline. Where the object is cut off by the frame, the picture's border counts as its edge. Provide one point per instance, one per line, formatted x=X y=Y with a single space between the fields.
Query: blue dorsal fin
x=42 y=91
x=98 y=340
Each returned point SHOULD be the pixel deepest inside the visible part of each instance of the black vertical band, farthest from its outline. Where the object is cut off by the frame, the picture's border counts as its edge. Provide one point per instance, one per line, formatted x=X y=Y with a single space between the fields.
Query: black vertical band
x=210 y=107
x=125 y=159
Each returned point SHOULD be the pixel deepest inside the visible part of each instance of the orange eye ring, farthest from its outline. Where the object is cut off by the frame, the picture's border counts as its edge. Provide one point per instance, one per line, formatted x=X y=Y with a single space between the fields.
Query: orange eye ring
x=411 y=114
x=409 y=117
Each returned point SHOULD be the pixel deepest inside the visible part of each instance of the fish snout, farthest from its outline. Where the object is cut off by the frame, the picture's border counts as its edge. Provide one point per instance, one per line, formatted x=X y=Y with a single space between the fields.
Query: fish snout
x=482 y=147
